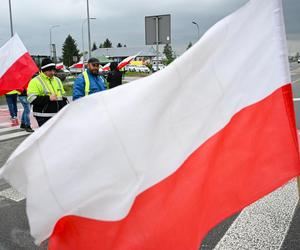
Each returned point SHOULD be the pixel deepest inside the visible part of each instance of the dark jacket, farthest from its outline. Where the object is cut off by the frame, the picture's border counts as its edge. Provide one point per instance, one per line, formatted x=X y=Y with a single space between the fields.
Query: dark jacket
x=114 y=78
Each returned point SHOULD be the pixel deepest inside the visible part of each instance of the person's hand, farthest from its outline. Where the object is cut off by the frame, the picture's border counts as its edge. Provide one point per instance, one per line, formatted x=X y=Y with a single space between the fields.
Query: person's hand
x=53 y=98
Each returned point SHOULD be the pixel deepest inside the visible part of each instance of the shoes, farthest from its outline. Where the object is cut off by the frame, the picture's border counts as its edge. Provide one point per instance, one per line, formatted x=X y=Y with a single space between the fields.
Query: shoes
x=14 y=121
x=29 y=129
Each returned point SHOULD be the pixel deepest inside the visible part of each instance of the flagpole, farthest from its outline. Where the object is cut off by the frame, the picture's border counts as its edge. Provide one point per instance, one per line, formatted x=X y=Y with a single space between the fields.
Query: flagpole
x=10 y=15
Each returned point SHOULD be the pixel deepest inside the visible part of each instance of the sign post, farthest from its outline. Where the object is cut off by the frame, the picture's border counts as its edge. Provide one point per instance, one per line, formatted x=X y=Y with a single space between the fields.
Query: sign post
x=158 y=31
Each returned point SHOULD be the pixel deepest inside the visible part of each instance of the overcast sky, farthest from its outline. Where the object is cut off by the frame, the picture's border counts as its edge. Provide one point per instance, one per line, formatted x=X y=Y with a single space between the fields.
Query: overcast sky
x=122 y=21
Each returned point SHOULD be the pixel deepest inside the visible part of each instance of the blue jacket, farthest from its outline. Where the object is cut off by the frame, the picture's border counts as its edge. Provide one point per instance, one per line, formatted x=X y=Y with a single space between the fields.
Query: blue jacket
x=97 y=84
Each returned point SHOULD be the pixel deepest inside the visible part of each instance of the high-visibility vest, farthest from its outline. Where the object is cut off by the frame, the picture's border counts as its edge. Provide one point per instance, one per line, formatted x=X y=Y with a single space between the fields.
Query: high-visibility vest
x=13 y=92
x=87 y=83
x=41 y=86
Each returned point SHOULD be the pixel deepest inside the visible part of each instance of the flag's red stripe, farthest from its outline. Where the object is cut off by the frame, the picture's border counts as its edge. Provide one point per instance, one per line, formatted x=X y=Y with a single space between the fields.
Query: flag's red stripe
x=253 y=155
x=18 y=75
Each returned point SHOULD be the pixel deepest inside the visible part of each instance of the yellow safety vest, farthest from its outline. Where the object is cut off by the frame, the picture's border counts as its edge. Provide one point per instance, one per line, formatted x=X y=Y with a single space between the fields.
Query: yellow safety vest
x=42 y=85
x=87 y=83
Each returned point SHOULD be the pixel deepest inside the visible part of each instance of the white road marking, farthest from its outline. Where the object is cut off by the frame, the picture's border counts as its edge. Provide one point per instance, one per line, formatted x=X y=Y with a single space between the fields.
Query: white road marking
x=264 y=224
x=12 y=194
x=5 y=124
x=10 y=136
x=9 y=129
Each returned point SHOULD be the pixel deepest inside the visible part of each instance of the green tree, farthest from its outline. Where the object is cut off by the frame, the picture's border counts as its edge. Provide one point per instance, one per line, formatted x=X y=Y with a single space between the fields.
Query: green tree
x=94 y=46
x=107 y=44
x=169 y=54
x=119 y=45
x=189 y=45
x=70 y=52
x=101 y=45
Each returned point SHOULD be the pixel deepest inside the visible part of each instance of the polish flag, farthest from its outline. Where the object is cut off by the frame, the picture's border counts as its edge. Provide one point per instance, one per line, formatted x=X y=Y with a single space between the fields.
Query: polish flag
x=16 y=66
x=106 y=67
x=78 y=65
x=59 y=66
x=127 y=60
x=170 y=155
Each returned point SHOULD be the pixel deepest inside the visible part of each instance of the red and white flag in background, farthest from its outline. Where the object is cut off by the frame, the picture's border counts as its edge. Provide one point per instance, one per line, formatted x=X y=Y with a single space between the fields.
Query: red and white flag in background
x=106 y=67
x=16 y=66
x=126 y=61
x=172 y=154
x=59 y=66
x=121 y=64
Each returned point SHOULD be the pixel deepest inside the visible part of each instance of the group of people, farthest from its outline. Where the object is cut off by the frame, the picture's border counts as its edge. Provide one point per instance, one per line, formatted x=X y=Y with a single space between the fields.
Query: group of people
x=46 y=93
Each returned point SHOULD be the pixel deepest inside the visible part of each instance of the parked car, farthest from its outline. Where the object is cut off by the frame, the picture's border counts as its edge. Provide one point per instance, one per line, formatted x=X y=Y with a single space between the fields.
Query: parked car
x=130 y=68
x=75 y=71
x=62 y=74
x=160 y=66
x=142 y=69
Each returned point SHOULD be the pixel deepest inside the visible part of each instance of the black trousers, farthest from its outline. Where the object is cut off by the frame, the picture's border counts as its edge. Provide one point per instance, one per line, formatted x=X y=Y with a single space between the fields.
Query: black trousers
x=41 y=120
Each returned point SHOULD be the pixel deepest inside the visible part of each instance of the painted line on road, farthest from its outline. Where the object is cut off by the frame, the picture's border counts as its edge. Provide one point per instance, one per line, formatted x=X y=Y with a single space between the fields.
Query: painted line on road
x=12 y=194
x=265 y=223
x=5 y=124
x=15 y=135
x=9 y=129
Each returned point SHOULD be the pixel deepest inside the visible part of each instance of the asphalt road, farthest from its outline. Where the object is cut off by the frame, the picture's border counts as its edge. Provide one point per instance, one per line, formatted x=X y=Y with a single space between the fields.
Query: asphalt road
x=271 y=223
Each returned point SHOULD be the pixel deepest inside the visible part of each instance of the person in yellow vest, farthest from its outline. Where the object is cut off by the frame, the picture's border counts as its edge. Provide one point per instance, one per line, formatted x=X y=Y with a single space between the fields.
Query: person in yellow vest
x=46 y=93
x=11 y=100
x=89 y=81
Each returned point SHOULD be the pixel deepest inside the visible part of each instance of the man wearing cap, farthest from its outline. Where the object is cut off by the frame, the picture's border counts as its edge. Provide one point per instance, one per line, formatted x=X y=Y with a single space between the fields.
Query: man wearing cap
x=46 y=93
x=89 y=81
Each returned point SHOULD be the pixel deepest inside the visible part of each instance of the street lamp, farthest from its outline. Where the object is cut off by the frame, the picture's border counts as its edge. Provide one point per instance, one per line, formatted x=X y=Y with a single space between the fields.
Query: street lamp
x=82 y=37
x=50 y=29
x=197 y=28
x=10 y=15
x=89 y=28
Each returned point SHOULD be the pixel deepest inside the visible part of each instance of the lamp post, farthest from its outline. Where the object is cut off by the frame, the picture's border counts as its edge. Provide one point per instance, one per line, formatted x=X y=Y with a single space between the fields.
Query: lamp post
x=50 y=29
x=197 y=28
x=82 y=37
x=11 y=24
x=89 y=29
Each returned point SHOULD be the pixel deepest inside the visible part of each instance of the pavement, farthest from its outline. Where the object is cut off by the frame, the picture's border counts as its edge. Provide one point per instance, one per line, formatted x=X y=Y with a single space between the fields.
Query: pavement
x=272 y=222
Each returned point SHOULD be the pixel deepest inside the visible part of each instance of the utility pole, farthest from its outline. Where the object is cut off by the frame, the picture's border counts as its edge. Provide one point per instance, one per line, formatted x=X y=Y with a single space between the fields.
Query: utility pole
x=11 y=23
x=89 y=30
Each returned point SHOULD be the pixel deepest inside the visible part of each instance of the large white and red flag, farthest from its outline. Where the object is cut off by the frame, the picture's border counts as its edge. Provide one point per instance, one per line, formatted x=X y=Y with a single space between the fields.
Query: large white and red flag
x=170 y=155
x=16 y=66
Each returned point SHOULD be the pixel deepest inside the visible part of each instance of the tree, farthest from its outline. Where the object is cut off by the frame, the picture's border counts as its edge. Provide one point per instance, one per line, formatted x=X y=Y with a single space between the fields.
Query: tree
x=189 y=45
x=101 y=45
x=107 y=44
x=94 y=46
x=119 y=45
x=70 y=52
x=169 y=54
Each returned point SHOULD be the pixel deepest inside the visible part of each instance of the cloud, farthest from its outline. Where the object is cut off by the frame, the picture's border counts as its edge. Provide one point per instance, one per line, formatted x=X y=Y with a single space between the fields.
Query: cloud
x=121 y=21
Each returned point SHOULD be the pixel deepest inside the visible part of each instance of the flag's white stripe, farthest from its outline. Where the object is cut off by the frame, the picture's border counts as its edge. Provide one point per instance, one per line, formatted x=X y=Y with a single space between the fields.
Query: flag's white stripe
x=10 y=52
x=138 y=134
x=264 y=224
